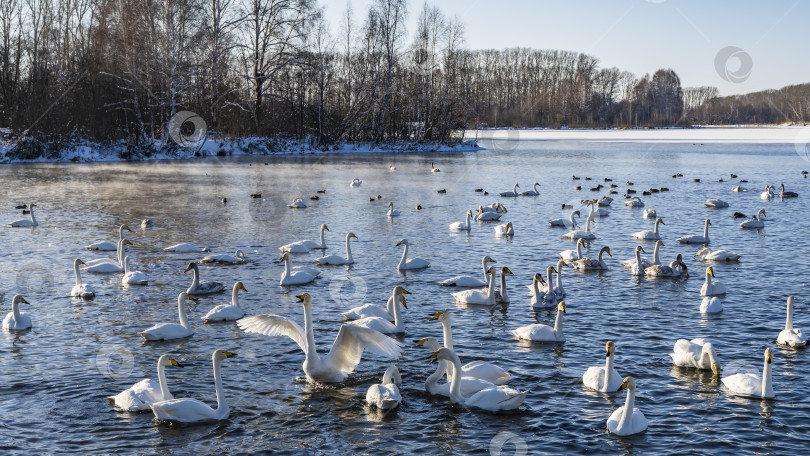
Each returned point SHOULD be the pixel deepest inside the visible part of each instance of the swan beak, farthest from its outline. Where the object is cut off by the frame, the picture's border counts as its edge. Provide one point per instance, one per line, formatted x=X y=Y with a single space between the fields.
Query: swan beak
x=562 y=306
x=711 y=272
x=404 y=291
x=662 y=221
x=607 y=250
x=554 y=270
x=188 y=268
x=128 y=242
x=716 y=370
x=563 y=263
x=175 y=363
x=508 y=271
x=22 y=300
x=640 y=249
x=624 y=385
x=353 y=236
x=769 y=358
x=81 y=262
x=433 y=356
x=192 y=298
x=436 y=316
x=127 y=228
x=300 y=297
x=326 y=228
x=708 y=222
x=420 y=342
x=242 y=287
x=492 y=261
x=404 y=303
x=230 y=355
x=398 y=244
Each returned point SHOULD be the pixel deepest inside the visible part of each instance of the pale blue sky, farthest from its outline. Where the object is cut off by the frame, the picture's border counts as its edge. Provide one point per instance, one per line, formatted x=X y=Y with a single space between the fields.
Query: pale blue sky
x=641 y=35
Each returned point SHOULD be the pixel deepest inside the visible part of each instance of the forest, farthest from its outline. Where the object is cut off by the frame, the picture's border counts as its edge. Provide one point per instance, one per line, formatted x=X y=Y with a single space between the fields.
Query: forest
x=118 y=70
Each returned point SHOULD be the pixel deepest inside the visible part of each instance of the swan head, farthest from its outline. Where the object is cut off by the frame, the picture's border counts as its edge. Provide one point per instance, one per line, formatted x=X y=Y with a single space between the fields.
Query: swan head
x=469 y=213
x=284 y=257
x=324 y=227
x=539 y=278
x=639 y=249
x=577 y=213
x=77 y=262
x=182 y=297
x=166 y=361
x=442 y=316
x=402 y=242
x=219 y=355
x=125 y=227
x=304 y=299
x=768 y=355
x=190 y=266
x=610 y=348
x=490 y=270
x=551 y=269
x=628 y=383
x=509 y=226
x=239 y=286
x=561 y=264
x=561 y=307
x=581 y=242
x=660 y=243
x=428 y=342
x=444 y=354
x=17 y=299
x=606 y=249
x=790 y=301
x=398 y=290
x=351 y=236
x=240 y=254
x=660 y=220
x=391 y=204
x=703 y=251
x=127 y=242
x=487 y=259
x=501 y=206
x=708 y=222
x=710 y=271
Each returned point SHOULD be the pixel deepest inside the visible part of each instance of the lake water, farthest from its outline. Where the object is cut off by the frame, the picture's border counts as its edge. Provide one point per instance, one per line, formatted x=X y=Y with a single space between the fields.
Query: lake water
x=56 y=377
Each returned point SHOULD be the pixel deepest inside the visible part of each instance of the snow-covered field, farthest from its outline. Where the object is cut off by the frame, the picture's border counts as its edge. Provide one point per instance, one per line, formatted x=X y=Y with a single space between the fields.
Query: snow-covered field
x=734 y=134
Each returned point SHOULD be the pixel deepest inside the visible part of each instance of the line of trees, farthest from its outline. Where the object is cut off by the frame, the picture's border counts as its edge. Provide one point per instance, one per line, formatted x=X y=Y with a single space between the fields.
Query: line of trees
x=120 y=69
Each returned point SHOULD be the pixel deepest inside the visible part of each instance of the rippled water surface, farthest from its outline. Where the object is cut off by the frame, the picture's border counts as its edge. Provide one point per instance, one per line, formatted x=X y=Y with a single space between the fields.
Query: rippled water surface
x=55 y=378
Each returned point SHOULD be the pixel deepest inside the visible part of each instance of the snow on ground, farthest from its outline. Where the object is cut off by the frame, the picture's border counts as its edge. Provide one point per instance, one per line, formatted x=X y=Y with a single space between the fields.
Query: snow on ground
x=710 y=135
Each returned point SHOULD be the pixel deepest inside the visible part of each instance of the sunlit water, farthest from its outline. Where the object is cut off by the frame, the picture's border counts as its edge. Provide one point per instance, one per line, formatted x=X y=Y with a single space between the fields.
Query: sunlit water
x=56 y=377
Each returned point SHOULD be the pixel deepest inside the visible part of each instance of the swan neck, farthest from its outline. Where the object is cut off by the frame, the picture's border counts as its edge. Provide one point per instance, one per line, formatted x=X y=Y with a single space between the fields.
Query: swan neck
x=549 y=279
x=655 y=228
x=196 y=279
x=503 y=285
x=15 y=310
x=287 y=266
x=310 y=352
x=126 y=266
x=455 y=381
x=404 y=258
x=484 y=267
x=181 y=310
x=579 y=250
x=121 y=232
x=789 y=321
x=222 y=404
x=397 y=314
x=322 y=239
x=164 y=388
x=558 y=323
x=629 y=405
x=588 y=223
x=78 y=273
x=536 y=287
x=573 y=223
x=767 y=381
x=235 y=296
x=655 y=253
x=491 y=289
x=447 y=333
x=559 y=277
x=31 y=212
x=433 y=379
x=348 y=250
x=706 y=230
x=608 y=371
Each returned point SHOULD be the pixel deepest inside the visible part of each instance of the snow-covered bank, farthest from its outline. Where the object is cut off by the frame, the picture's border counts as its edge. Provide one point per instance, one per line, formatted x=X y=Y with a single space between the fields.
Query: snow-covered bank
x=725 y=135
x=13 y=150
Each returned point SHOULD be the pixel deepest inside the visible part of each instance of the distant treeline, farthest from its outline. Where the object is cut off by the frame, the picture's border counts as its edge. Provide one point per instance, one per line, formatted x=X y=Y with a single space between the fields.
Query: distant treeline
x=120 y=69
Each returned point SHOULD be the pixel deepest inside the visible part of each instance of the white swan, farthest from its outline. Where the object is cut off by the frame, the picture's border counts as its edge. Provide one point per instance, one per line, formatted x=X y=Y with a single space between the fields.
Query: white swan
x=146 y=223
x=569 y=222
x=545 y=296
x=347 y=349
x=109 y=246
x=391 y=211
x=717 y=255
x=410 y=264
x=201 y=288
x=297 y=203
x=501 y=296
x=133 y=277
x=634 y=202
x=433 y=169
x=469 y=385
x=712 y=287
x=791 y=336
x=715 y=203
x=505 y=230
x=228 y=312
x=484 y=215
x=107 y=266
x=596 y=210
x=306 y=245
x=172 y=331
x=224 y=258
x=337 y=259
x=711 y=305
x=355 y=182
x=482 y=297
x=16 y=320
x=573 y=235
x=650 y=235
x=146 y=392
x=753 y=385
x=462 y=226
x=494 y=207
x=697 y=353
x=513 y=193
x=558 y=289
x=603 y=378
x=739 y=189
x=192 y=410
x=573 y=254
x=676 y=268
x=382 y=324
x=23 y=223
x=784 y=194
x=591 y=264
x=185 y=248
x=696 y=238
x=627 y=420
x=374 y=310
x=492 y=399
x=638 y=266
x=469 y=281
x=543 y=333
x=81 y=290
x=533 y=191
x=646 y=262
x=756 y=221
x=767 y=194
x=649 y=213
x=385 y=395
x=478 y=369
x=291 y=276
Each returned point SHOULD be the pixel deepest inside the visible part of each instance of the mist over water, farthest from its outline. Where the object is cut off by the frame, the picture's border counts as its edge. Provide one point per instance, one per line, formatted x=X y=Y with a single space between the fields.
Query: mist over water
x=56 y=377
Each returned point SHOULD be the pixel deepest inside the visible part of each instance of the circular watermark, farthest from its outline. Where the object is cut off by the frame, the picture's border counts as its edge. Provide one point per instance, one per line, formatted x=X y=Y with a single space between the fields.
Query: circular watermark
x=263 y=209
x=187 y=129
x=724 y=64
x=33 y=278
x=504 y=438
x=348 y=291
x=500 y=140
x=740 y=367
x=802 y=143
x=423 y=62
x=115 y=362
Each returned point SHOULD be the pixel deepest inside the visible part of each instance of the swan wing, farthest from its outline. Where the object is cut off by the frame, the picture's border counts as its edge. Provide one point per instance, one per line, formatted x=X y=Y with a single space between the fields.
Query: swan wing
x=183 y=410
x=594 y=377
x=745 y=384
x=274 y=325
x=463 y=281
x=350 y=342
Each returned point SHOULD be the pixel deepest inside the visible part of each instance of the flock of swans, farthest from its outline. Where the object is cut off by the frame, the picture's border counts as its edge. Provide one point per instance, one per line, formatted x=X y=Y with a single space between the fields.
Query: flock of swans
x=368 y=327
